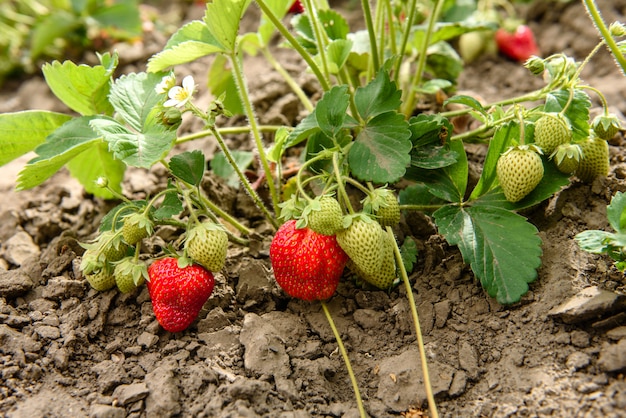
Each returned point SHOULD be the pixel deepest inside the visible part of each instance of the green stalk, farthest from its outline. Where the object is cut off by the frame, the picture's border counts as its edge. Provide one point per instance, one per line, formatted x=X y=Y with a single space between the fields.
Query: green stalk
x=244 y=180
x=421 y=59
x=225 y=131
x=341 y=189
x=320 y=35
x=592 y=9
x=294 y=43
x=432 y=406
x=242 y=87
x=367 y=12
x=288 y=79
x=405 y=37
x=346 y=359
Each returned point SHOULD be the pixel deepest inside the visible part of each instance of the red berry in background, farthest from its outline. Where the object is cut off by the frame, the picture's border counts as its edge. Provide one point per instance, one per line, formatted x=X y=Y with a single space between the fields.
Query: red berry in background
x=296 y=8
x=519 y=45
x=307 y=265
x=177 y=293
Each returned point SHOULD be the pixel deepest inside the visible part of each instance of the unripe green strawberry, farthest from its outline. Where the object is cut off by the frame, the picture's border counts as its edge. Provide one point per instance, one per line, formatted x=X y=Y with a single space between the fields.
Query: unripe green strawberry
x=91 y=261
x=388 y=214
x=595 y=159
x=207 y=244
x=566 y=157
x=606 y=126
x=112 y=246
x=129 y=274
x=136 y=227
x=552 y=130
x=101 y=280
x=519 y=170
x=363 y=241
x=325 y=216
x=386 y=274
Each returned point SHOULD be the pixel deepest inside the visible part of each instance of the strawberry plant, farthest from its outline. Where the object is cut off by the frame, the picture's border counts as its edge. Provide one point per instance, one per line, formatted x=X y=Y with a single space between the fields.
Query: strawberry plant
x=612 y=244
x=364 y=135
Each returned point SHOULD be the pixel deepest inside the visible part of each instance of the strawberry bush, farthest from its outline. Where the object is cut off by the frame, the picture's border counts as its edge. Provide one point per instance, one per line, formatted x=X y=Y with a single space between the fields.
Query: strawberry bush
x=362 y=138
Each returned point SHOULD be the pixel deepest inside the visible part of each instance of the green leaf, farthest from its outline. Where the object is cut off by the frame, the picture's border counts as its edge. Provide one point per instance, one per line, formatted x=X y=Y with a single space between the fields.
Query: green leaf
x=381 y=150
x=330 y=111
x=189 y=166
x=444 y=62
x=192 y=41
x=429 y=129
x=82 y=88
x=337 y=53
x=135 y=99
x=448 y=183
x=594 y=241
x=21 y=132
x=266 y=27
x=378 y=96
x=276 y=152
x=468 y=101
x=334 y=24
x=123 y=16
x=171 y=205
x=505 y=136
x=307 y=127
x=93 y=163
x=433 y=86
x=616 y=212
x=433 y=156
x=71 y=139
x=221 y=81
x=51 y=27
x=221 y=166
x=577 y=112
x=222 y=18
x=139 y=149
x=420 y=195
x=502 y=247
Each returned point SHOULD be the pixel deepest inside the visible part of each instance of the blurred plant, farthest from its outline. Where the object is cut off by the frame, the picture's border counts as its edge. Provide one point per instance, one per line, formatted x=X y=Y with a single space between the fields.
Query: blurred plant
x=31 y=30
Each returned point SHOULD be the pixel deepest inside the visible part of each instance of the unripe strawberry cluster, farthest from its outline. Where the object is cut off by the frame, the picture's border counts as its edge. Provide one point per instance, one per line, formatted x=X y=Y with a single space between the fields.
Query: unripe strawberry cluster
x=178 y=286
x=308 y=255
x=520 y=169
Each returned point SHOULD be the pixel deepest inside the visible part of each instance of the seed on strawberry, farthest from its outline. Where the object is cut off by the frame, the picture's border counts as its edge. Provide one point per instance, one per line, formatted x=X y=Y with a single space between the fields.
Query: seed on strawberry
x=136 y=227
x=386 y=275
x=129 y=274
x=566 y=157
x=519 y=170
x=606 y=126
x=325 y=216
x=307 y=265
x=361 y=240
x=207 y=244
x=595 y=159
x=101 y=280
x=177 y=293
x=552 y=130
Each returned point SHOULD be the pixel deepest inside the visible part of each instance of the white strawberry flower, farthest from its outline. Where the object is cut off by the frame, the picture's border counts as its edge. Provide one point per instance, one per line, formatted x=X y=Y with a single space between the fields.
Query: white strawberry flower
x=166 y=84
x=178 y=95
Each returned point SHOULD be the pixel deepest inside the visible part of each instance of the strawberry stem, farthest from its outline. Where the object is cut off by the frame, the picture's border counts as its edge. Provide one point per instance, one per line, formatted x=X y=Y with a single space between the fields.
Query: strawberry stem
x=432 y=406
x=346 y=359
x=341 y=188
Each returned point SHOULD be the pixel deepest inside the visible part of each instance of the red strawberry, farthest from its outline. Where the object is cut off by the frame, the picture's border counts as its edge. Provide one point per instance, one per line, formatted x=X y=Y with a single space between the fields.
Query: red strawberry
x=178 y=293
x=519 y=45
x=296 y=8
x=307 y=265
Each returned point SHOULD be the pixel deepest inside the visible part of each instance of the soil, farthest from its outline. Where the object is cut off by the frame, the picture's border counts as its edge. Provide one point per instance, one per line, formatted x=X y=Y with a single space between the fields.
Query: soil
x=68 y=350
